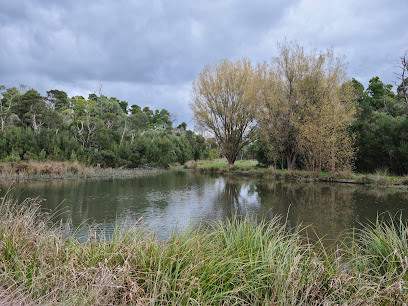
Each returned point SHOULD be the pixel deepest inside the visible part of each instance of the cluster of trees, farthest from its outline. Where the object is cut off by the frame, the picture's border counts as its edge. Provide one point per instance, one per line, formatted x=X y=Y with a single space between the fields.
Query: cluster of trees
x=301 y=111
x=298 y=107
x=381 y=127
x=297 y=111
x=95 y=131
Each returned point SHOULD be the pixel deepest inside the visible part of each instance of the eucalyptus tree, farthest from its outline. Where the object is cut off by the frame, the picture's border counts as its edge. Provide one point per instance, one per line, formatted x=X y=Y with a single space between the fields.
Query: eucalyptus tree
x=30 y=107
x=137 y=122
x=57 y=100
x=6 y=102
x=224 y=103
x=403 y=76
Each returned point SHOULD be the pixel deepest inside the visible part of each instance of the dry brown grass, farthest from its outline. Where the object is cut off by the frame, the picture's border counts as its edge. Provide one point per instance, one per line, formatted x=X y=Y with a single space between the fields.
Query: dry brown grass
x=64 y=170
x=32 y=168
x=191 y=164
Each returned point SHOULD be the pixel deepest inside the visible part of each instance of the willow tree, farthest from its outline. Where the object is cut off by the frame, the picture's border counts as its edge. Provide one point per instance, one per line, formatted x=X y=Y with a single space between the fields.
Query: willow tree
x=223 y=103
x=280 y=110
x=308 y=107
x=325 y=140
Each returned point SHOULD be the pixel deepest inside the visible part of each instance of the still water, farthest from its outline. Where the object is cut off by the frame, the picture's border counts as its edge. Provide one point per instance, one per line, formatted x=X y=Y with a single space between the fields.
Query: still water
x=180 y=199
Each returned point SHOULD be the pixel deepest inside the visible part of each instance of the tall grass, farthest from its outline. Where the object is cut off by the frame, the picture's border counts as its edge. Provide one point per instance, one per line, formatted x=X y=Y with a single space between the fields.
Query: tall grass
x=237 y=262
x=32 y=170
x=380 y=253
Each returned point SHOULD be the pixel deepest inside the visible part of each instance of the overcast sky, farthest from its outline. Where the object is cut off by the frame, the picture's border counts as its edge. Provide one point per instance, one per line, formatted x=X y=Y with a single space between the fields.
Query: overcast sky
x=148 y=52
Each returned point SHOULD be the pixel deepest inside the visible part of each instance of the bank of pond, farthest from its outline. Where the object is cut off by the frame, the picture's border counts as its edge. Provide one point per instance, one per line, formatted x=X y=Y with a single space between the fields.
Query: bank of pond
x=251 y=169
x=33 y=170
x=238 y=261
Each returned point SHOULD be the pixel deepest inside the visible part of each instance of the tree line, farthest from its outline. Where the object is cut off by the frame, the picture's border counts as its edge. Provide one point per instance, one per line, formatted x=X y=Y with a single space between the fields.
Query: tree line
x=301 y=111
x=94 y=131
x=297 y=111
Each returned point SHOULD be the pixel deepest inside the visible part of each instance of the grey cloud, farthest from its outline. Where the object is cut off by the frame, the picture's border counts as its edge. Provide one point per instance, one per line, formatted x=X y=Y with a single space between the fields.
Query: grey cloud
x=150 y=41
x=148 y=51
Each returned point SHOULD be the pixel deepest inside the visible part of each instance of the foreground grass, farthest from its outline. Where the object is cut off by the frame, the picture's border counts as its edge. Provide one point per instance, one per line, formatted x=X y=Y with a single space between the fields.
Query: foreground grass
x=236 y=262
x=252 y=169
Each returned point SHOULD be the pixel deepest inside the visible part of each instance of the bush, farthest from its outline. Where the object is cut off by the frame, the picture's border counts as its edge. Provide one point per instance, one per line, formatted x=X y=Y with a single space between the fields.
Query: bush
x=13 y=157
x=213 y=154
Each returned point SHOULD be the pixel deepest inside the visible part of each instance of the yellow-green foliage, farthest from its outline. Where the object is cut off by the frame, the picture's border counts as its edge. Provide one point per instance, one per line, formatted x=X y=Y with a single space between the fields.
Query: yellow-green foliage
x=307 y=106
x=224 y=103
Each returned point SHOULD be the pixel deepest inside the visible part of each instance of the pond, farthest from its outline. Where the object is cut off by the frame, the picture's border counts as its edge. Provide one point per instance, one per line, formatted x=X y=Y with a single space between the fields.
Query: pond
x=170 y=200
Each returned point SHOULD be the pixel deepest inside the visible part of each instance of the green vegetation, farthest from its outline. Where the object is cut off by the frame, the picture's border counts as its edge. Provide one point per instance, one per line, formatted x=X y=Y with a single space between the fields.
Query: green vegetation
x=97 y=131
x=381 y=129
x=237 y=262
x=223 y=164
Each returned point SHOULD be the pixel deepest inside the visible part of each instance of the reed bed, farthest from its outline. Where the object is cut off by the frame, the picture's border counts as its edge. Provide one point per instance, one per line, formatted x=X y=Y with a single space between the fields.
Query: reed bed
x=33 y=170
x=237 y=262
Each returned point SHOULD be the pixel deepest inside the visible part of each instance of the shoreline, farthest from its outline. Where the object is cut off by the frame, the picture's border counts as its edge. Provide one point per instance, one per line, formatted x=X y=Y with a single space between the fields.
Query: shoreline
x=51 y=170
x=37 y=171
x=255 y=171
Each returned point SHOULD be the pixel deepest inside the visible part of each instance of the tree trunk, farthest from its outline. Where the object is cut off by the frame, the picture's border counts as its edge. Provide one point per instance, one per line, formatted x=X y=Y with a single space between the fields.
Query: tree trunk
x=36 y=127
x=290 y=160
x=404 y=85
x=231 y=158
x=333 y=162
x=123 y=134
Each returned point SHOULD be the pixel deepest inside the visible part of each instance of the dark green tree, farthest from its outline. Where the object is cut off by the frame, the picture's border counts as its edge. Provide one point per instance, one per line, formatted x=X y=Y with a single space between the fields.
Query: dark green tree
x=31 y=108
x=182 y=126
x=379 y=128
x=124 y=106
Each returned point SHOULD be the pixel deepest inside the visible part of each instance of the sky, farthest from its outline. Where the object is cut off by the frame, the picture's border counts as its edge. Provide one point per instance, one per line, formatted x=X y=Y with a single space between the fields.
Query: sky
x=148 y=52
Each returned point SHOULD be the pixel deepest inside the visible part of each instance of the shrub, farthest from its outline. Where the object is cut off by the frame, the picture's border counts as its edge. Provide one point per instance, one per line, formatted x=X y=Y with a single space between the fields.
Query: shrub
x=213 y=154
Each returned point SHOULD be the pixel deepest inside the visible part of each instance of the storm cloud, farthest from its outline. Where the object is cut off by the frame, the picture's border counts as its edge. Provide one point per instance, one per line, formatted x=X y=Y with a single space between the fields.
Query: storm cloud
x=148 y=52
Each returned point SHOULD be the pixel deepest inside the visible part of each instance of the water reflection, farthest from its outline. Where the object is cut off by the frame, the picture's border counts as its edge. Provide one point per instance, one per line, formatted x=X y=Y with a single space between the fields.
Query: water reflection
x=170 y=200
